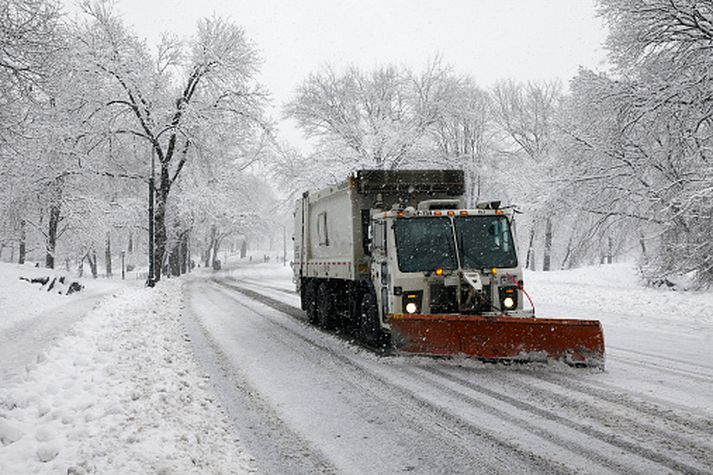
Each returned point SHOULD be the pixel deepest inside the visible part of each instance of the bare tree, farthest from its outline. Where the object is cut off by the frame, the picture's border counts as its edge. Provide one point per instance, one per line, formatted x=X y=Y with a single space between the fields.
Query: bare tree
x=379 y=117
x=185 y=89
x=29 y=40
x=526 y=115
x=463 y=133
x=640 y=141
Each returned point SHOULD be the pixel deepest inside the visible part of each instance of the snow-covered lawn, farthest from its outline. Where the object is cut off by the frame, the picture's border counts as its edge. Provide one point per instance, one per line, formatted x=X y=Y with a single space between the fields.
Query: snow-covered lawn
x=119 y=393
x=615 y=292
x=21 y=300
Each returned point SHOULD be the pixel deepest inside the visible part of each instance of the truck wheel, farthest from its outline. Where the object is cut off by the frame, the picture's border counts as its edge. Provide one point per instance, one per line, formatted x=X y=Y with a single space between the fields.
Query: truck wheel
x=369 y=326
x=325 y=307
x=311 y=302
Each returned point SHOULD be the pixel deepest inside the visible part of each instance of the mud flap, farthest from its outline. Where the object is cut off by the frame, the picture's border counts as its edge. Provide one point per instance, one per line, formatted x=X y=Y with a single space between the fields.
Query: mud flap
x=576 y=342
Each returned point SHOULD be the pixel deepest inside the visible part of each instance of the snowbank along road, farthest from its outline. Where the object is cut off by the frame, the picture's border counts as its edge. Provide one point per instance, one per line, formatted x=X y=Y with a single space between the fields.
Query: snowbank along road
x=304 y=400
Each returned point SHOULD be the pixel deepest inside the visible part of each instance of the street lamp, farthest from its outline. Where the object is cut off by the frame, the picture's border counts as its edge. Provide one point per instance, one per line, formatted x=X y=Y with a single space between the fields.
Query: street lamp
x=150 y=282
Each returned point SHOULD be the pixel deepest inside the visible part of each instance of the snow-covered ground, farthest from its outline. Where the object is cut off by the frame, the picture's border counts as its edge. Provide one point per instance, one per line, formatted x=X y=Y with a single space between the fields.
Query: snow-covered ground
x=32 y=315
x=648 y=412
x=615 y=292
x=659 y=342
x=118 y=391
x=21 y=301
x=198 y=377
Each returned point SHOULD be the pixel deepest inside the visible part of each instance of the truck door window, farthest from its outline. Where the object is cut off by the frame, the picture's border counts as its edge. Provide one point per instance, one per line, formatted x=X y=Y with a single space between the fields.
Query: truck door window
x=379 y=234
x=322 y=229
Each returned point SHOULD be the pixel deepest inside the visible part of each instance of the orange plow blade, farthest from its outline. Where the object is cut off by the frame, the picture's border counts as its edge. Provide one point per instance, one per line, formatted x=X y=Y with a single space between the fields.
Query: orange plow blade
x=576 y=342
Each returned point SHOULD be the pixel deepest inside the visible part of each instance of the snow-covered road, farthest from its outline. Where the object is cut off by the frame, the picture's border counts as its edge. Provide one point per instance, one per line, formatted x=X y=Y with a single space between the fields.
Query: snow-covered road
x=303 y=400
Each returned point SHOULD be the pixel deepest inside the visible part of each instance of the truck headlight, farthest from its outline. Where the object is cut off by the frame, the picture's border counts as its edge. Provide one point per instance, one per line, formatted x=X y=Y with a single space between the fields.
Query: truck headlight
x=411 y=301
x=508 y=298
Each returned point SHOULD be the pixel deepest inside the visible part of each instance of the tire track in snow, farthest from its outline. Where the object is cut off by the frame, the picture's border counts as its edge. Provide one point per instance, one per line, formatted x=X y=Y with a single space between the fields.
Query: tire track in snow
x=567 y=444
x=611 y=394
x=696 y=445
x=408 y=414
x=665 y=358
x=264 y=284
x=287 y=451
x=608 y=438
x=680 y=372
x=448 y=420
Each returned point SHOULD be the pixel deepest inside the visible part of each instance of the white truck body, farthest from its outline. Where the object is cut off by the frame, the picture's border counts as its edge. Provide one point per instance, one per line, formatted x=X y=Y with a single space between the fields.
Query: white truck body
x=328 y=235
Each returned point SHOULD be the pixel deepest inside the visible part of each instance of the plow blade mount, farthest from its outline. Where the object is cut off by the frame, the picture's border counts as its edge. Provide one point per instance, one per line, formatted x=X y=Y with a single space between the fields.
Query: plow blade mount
x=576 y=342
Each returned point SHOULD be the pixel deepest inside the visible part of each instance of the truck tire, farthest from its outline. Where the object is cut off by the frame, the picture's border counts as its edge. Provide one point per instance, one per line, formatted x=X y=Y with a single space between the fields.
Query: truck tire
x=326 y=315
x=369 y=326
x=311 y=302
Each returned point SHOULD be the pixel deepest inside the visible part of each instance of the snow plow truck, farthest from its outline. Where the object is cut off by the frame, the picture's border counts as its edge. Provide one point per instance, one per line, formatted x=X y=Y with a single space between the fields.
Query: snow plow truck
x=395 y=257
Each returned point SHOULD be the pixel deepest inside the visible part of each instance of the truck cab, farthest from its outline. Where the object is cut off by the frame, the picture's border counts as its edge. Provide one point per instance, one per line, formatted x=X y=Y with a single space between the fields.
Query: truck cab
x=440 y=258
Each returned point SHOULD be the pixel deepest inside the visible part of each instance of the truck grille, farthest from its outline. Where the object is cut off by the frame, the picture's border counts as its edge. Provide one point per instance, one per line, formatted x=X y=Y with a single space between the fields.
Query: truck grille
x=443 y=299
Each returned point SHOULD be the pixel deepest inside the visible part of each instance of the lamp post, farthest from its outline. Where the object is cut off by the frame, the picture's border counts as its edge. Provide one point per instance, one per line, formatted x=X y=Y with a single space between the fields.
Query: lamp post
x=150 y=282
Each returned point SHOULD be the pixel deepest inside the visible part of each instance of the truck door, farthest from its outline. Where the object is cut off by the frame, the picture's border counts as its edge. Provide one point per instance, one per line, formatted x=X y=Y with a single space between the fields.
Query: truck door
x=381 y=268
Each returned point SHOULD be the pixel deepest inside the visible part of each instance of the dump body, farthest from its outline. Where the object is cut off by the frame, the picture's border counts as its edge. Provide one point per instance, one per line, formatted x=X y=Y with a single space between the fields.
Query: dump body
x=396 y=257
x=331 y=239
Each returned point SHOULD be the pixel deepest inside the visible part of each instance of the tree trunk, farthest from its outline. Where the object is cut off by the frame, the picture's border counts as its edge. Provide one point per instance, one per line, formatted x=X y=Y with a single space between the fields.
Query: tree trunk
x=93 y=265
x=184 y=253
x=568 y=253
x=107 y=255
x=92 y=258
x=530 y=259
x=161 y=235
x=189 y=257
x=244 y=249
x=80 y=268
x=52 y=235
x=130 y=247
x=216 y=249
x=212 y=251
x=174 y=259
x=22 y=251
x=548 y=245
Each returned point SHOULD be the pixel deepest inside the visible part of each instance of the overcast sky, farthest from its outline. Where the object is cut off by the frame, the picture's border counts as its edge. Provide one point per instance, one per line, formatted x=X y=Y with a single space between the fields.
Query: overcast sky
x=490 y=40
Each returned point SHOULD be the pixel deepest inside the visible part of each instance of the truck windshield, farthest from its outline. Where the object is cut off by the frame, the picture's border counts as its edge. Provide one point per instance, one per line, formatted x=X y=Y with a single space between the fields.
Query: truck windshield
x=484 y=242
x=425 y=244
